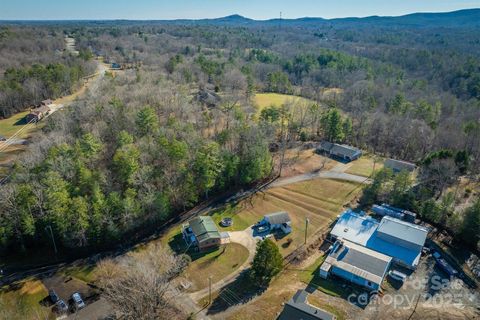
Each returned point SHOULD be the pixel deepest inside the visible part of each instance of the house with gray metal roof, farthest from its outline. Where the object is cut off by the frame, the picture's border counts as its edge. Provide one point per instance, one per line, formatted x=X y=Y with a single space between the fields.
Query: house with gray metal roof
x=298 y=308
x=339 y=151
x=203 y=233
x=399 y=165
x=356 y=263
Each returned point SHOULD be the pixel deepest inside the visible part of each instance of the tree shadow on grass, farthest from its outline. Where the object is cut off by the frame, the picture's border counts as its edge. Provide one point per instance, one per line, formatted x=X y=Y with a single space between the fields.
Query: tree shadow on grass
x=20 y=122
x=238 y=292
x=338 y=287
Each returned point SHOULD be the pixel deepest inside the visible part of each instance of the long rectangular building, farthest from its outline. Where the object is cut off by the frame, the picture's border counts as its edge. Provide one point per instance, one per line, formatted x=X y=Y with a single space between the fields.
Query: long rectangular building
x=356 y=264
x=401 y=240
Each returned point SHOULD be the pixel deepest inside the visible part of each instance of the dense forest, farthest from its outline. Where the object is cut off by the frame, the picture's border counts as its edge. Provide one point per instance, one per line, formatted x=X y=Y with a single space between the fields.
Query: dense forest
x=148 y=145
x=34 y=67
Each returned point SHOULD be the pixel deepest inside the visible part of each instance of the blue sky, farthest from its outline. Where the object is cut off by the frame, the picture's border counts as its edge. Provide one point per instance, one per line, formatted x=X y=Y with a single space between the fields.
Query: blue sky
x=257 y=9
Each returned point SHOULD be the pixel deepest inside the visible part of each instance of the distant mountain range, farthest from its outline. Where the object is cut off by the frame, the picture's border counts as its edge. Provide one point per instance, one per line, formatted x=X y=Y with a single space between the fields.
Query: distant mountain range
x=461 y=18
x=469 y=18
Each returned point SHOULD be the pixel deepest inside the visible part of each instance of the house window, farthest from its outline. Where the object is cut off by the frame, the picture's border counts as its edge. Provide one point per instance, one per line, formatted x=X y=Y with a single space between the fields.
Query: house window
x=369 y=283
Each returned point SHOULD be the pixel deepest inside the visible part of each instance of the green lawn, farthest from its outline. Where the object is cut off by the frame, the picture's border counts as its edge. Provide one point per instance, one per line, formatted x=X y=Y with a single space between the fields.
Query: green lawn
x=216 y=264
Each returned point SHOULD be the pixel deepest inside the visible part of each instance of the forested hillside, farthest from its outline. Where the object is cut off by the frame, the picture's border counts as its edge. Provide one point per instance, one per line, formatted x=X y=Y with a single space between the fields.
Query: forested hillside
x=34 y=67
x=156 y=140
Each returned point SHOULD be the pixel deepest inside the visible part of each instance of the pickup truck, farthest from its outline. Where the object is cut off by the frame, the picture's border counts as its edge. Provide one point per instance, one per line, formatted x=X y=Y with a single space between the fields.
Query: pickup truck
x=444 y=266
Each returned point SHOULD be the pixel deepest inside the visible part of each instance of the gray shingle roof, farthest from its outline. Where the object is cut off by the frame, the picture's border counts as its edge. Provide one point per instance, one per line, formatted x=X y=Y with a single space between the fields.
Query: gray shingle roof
x=278 y=217
x=297 y=308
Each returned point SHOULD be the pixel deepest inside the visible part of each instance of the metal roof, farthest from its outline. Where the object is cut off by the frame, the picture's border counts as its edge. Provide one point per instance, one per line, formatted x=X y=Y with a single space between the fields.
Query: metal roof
x=298 y=308
x=278 y=217
x=399 y=165
x=336 y=148
x=366 y=231
x=204 y=228
x=403 y=230
x=359 y=260
x=345 y=150
x=354 y=227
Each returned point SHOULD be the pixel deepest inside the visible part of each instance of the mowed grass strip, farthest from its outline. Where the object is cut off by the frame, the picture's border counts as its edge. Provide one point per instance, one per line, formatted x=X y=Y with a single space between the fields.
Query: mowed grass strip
x=216 y=264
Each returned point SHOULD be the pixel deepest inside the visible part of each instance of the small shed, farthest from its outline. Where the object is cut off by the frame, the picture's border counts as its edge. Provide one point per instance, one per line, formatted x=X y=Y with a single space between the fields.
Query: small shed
x=37 y=114
x=399 y=165
x=279 y=221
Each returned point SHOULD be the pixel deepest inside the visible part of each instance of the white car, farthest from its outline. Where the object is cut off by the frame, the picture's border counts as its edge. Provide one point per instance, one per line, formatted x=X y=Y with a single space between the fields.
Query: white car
x=78 y=301
x=397 y=275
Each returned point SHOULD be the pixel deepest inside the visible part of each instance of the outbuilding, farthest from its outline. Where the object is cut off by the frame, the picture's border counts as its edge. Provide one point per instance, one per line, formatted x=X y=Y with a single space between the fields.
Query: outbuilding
x=278 y=221
x=37 y=114
x=339 y=151
x=399 y=165
x=356 y=263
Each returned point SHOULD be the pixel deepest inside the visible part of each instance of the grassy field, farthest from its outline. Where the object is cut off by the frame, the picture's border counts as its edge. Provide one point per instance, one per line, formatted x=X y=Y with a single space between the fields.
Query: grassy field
x=263 y=100
x=364 y=166
x=218 y=264
x=11 y=125
x=319 y=200
x=24 y=302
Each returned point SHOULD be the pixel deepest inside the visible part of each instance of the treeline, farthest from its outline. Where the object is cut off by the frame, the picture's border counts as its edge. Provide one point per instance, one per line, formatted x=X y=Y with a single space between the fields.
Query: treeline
x=115 y=169
x=400 y=190
x=26 y=87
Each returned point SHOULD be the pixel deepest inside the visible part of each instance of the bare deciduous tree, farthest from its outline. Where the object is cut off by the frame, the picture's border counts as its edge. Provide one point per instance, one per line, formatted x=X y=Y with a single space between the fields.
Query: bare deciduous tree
x=140 y=285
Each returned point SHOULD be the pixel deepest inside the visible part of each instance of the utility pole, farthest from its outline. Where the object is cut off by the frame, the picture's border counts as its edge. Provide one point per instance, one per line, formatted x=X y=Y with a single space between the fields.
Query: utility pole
x=49 y=227
x=306 y=229
x=209 y=290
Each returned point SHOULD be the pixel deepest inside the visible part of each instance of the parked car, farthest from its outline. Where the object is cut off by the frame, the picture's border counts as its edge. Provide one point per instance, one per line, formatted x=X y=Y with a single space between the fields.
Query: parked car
x=53 y=296
x=77 y=301
x=397 y=275
x=226 y=222
x=262 y=229
x=61 y=307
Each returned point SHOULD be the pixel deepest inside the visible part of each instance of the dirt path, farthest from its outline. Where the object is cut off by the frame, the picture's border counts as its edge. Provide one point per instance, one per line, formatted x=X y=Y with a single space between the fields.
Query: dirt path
x=337 y=175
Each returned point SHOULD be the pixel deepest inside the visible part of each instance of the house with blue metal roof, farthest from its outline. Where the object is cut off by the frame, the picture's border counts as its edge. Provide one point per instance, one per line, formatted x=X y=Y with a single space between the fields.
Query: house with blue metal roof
x=401 y=240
